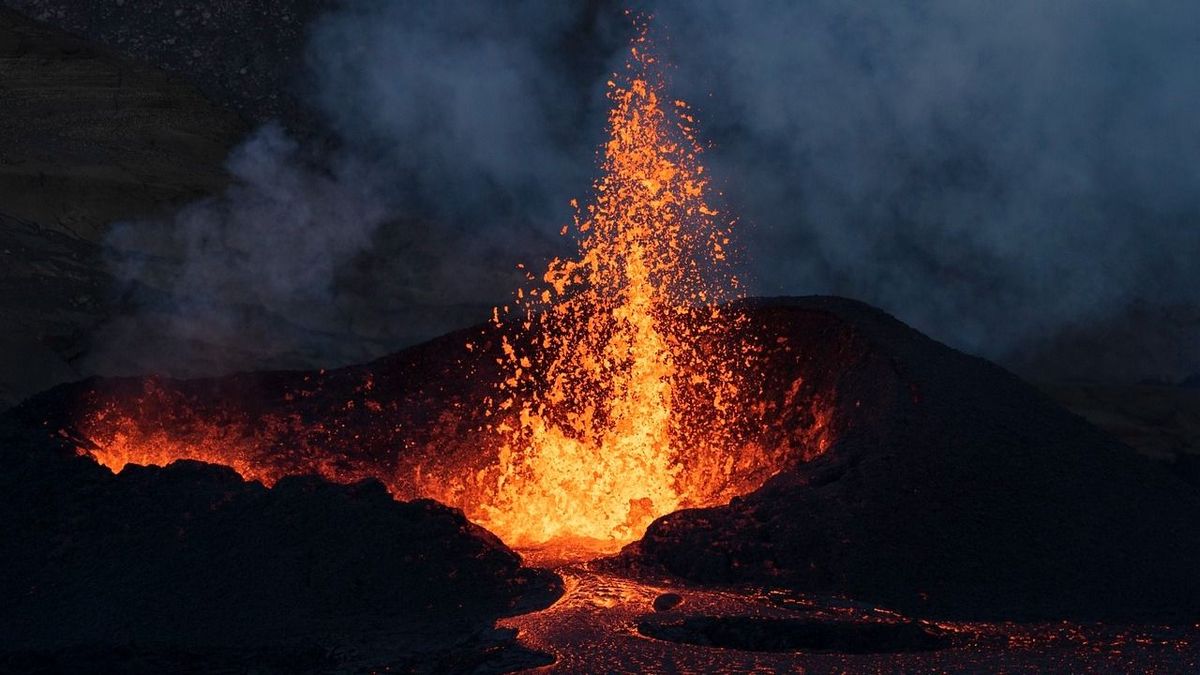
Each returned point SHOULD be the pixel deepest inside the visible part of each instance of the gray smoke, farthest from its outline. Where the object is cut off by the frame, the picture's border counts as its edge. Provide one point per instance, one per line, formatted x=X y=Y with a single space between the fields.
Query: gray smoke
x=1013 y=178
x=995 y=173
x=485 y=110
x=248 y=276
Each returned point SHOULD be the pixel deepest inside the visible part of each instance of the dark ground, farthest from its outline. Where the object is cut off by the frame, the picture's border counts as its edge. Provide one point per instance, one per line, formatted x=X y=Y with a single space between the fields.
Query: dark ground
x=86 y=137
x=189 y=567
x=125 y=127
x=244 y=56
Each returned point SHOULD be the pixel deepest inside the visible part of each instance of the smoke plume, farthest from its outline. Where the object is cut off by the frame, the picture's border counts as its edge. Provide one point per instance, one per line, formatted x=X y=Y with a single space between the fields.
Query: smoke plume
x=1013 y=178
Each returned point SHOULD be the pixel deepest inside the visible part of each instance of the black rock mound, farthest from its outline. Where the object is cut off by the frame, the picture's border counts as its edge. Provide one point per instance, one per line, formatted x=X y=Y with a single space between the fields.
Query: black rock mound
x=950 y=488
x=192 y=557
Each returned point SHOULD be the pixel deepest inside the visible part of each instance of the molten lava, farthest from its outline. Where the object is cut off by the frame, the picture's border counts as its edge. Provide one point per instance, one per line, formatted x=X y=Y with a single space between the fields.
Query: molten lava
x=622 y=385
x=616 y=398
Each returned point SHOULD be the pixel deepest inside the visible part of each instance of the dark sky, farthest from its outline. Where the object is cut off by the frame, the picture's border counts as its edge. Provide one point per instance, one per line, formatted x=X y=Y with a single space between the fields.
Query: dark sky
x=1018 y=179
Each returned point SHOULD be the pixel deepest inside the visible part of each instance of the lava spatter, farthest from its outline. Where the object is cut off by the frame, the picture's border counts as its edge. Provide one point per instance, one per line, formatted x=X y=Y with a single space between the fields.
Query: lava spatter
x=616 y=401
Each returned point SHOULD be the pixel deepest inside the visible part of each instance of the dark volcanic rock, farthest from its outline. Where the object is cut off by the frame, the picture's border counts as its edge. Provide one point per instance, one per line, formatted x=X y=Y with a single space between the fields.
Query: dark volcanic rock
x=86 y=138
x=667 y=601
x=951 y=488
x=120 y=120
x=749 y=633
x=245 y=55
x=1160 y=420
x=192 y=557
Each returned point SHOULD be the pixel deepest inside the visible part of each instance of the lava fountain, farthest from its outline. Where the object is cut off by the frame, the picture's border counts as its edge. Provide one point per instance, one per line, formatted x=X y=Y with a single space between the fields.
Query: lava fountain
x=616 y=398
x=620 y=385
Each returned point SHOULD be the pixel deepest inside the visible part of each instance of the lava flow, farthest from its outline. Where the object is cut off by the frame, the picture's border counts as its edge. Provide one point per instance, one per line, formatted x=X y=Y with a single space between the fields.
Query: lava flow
x=620 y=386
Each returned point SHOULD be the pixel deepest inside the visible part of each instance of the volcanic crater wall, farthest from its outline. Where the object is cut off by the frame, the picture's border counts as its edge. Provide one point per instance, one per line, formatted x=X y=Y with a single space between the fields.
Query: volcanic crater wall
x=424 y=421
x=950 y=488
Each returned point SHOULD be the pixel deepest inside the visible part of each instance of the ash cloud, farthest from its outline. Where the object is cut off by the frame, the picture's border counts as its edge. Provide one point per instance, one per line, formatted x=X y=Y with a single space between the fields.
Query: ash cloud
x=1001 y=175
x=1019 y=179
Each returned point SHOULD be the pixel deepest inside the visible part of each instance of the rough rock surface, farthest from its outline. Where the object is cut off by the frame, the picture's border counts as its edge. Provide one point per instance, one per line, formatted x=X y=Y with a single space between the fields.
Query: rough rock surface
x=243 y=55
x=85 y=138
x=1158 y=419
x=191 y=559
x=952 y=488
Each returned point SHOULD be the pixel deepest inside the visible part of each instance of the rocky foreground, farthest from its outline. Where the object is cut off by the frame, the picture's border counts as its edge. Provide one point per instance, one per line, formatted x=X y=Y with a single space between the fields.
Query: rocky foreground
x=190 y=567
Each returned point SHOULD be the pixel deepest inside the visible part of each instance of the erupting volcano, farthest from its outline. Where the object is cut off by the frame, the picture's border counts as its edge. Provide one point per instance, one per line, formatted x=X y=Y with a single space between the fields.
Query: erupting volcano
x=631 y=467
x=613 y=397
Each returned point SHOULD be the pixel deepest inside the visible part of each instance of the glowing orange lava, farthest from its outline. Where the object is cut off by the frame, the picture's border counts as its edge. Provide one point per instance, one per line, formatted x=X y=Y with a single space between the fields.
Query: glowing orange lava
x=615 y=400
x=620 y=387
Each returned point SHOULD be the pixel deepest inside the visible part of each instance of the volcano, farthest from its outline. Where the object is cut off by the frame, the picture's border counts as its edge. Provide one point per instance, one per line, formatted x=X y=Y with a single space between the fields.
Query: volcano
x=907 y=474
x=630 y=467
